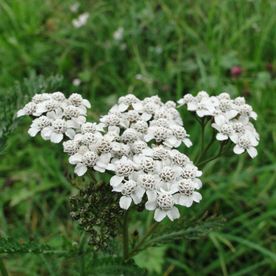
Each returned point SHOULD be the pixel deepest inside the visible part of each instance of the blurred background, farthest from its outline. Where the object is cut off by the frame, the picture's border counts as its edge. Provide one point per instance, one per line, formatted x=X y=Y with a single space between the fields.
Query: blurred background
x=103 y=50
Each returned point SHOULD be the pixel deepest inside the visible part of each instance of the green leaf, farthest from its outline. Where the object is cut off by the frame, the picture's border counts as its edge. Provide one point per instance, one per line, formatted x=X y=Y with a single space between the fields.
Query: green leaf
x=183 y=229
x=14 y=98
x=151 y=259
x=20 y=246
x=114 y=266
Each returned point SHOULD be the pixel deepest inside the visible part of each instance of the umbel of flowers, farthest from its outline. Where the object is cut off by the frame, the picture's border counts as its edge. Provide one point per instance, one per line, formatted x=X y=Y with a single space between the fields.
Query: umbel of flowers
x=231 y=119
x=137 y=142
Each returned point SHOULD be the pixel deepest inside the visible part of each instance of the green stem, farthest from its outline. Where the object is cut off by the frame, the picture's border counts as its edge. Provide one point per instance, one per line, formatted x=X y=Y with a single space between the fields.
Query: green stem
x=202 y=134
x=125 y=235
x=3 y=269
x=82 y=256
x=138 y=246
x=213 y=139
x=213 y=157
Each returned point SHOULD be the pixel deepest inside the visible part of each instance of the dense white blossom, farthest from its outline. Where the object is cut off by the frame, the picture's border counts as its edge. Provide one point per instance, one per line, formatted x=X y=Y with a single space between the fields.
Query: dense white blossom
x=230 y=117
x=56 y=117
x=137 y=141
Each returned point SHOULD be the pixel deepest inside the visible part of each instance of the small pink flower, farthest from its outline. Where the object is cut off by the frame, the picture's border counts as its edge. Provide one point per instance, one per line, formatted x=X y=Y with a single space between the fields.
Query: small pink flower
x=236 y=71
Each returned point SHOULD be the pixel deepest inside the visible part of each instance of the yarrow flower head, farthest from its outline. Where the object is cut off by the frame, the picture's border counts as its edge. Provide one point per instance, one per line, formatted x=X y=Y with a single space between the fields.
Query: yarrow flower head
x=137 y=141
x=230 y=118
x=54 y=116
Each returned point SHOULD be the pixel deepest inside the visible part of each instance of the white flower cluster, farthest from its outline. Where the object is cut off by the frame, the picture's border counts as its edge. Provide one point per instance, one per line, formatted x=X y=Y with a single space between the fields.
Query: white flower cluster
x=144 y=158
x=231 y=118
x=55 y=116
x=136 y=141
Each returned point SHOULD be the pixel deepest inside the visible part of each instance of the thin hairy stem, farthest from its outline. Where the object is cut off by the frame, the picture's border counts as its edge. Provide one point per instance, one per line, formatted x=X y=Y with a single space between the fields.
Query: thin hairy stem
x=125 y=235
x=3 y=269
x=139 y=245
x=222 y=146
x=202 y=134
x=201 y=155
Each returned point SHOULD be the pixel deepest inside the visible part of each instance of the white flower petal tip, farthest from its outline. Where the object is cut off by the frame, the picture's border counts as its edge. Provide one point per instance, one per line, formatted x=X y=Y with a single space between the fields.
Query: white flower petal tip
x=125 y=202
x=159 y=215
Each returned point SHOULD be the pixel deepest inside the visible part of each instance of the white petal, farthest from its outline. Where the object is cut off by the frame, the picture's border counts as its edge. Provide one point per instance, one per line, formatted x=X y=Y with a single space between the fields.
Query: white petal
x=146 y=116
x=199 y=173
x=148 y=137
x=159 y=214
x=197 y=196
x=71 y=124
x=70 y=133
x=234 y=138
x=104 y=158
x=220 y=120
x=80 y=169
x=215 y=126
x=33 y=131
x=150 y=205
x=125 y=202
x=151 y=195
x=173 y=141
x=253 y=115
x=238 y=150
x=74 y=159
x=46 y=133
x=231 y=114
x=221 y=137
x=185 y=201
x=174 y=188
x=40 y=109
x=59 y=113
x=188 y=143
x=122 y=107
x=173 y=213
x=86 y=103
x=56 y=137
x=192 y=106
x=197 y=183
x=136 y=198
x=139 y=192
x=116 y=180
x=137 y=106
x=20 y=113
x=81 y=120
x=181 y=101
x=51 y=115
x=99 y=169
x=201 y=113
x=110 y=167
x=252 y=152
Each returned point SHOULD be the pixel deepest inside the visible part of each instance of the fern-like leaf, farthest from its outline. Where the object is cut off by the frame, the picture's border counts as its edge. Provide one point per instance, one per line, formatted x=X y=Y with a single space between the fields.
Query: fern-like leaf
x=115 y=266
x=15 y=97
x=183 y=229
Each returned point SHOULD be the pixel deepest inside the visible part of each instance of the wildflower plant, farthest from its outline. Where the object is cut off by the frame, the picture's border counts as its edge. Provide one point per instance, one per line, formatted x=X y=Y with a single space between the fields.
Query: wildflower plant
x=138 y=151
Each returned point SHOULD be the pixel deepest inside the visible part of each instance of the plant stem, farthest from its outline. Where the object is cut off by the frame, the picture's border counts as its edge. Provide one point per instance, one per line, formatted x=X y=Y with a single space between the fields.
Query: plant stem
x=213 y=157
x=202 y=134
x=213 y=139
x=3 y=269
x=125 y=235
x=141 y=242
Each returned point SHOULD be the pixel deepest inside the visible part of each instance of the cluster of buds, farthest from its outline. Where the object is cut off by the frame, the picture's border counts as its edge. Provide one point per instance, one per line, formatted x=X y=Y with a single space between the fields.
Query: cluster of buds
x=231 y=119
x=101 y=223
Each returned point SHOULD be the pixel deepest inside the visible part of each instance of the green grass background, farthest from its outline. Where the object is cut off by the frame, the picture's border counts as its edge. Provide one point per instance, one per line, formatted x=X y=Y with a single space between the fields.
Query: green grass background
x=177 y=47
